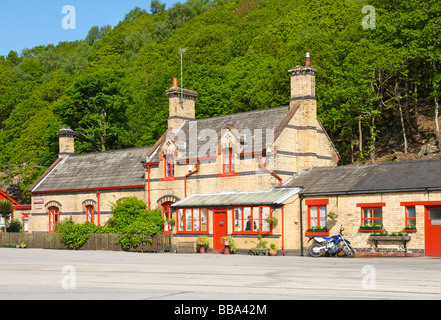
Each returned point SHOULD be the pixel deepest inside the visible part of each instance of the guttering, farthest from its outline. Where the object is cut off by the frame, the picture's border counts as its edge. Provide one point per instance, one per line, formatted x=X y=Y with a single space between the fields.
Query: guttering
x=89 y=189
x=301 y=224
x=283 y=230
x=187 y=175
x=270 y=171
x=370 y=191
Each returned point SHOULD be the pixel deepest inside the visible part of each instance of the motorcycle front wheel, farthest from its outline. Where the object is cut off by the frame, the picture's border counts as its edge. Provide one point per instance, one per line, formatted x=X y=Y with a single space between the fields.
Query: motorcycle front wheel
x=349 y=252
x=316 y=250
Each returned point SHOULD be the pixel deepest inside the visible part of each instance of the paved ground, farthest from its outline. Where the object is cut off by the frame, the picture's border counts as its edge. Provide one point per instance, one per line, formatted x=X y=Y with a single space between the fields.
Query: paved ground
x=65 y=275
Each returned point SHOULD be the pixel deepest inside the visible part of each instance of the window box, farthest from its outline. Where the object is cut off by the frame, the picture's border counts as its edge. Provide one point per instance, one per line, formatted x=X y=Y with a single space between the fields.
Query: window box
x=317 y=231
x=410 y=228
x=370 y=228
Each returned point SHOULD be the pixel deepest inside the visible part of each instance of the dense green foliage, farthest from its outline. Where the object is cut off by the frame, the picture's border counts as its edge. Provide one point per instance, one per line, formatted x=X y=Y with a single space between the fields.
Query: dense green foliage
x=130 y=219
x=110 y=87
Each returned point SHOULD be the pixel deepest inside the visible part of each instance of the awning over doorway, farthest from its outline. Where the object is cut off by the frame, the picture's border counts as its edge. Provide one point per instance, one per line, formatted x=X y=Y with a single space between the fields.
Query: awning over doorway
x=274 y=196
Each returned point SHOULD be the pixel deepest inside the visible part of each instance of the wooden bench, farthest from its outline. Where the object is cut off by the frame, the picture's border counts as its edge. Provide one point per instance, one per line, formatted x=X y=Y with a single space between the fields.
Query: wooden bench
x=186 y=247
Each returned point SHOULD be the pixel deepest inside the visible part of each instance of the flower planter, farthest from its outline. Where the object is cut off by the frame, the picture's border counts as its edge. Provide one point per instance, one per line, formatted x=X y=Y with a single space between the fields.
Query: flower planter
x=9 y=246
x=272 y=252
x=370 y=229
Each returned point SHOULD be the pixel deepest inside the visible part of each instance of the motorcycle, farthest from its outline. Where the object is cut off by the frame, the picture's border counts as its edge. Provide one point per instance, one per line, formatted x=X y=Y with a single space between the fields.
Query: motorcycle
x=335 y=245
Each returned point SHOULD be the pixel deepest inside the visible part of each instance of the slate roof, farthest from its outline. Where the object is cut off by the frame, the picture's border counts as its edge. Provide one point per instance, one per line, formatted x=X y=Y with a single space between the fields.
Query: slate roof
x=116 y=168
x=263 y=120
x=378 y=177
x=238 y=198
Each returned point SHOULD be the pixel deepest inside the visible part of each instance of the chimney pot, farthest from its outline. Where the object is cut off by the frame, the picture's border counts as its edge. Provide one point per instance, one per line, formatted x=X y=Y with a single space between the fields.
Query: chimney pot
x=175 y=82
x=308 y=60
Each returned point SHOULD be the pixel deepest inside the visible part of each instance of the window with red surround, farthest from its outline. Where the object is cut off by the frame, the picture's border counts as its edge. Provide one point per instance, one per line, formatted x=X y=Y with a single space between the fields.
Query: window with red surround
x=89 y=213
x=192 y=220
x=410 y=219
x=228 y=163
x=169 y=168
x=166 y=215
x=252 y=220
x=371 y=216
x=54 y=214
x=317 y=216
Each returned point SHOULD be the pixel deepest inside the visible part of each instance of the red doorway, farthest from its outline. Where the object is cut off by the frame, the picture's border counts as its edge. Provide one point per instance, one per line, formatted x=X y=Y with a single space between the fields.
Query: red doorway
x=219 y=228
x=433 y=231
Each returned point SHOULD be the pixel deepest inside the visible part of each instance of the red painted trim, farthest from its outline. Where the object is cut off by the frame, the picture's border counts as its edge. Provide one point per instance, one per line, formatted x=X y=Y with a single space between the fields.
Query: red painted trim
x=283 y=230
x=270 y=171
x=228 y=174
x=169 y=179
x=317 y=202
x=318 y=214
x=187 y=175
x=244 y=219
x=420 y=203
x=91 y=189
x=318 y=234
x=22 y=207
x=371 y=205
x=98 y=205
x=2 y=194
x=199 y=214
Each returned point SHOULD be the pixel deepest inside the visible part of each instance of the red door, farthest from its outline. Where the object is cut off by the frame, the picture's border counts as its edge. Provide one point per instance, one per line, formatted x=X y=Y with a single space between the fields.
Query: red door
x=219 y=228
x=433 y=231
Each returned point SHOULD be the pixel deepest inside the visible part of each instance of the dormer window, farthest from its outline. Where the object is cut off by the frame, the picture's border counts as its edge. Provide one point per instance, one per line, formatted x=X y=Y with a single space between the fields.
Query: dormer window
x=169 y=167
x=228 y=161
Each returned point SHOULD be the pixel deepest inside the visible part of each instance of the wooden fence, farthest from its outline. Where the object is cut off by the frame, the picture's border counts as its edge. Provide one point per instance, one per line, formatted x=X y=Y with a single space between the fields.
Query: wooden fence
x=97 y=241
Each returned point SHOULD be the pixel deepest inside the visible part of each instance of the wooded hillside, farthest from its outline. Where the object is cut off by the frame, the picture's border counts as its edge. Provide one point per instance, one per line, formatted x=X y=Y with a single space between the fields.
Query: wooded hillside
x=377 y=88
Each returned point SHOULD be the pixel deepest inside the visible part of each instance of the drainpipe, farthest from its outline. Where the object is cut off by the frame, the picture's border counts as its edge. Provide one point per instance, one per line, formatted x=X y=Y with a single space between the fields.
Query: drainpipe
x=283 y=230
x=98 y=205
x=301 y=224
x=148 y=187
x=187 y=175
x=270 y=171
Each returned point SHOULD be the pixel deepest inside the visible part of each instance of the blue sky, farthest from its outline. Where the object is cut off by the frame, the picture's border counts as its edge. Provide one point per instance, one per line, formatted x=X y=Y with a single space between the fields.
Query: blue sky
x=28 y=23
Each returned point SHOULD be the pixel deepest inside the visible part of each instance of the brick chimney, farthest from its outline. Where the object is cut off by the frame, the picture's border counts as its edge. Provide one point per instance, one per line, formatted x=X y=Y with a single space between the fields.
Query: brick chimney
x=303 y=89
x=303 y=98
x=181 y=105
x=66 y=138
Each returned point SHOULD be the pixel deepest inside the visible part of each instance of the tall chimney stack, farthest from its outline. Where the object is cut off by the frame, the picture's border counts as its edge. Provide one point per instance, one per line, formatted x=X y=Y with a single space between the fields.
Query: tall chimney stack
x=181 y=105
x=66 y=138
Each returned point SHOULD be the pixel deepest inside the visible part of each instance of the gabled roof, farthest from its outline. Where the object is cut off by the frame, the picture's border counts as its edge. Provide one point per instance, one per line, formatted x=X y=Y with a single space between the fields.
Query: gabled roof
x=4 y=195
x=116 y=168
x=377 y=177
x=238 y=198
x=273 y=119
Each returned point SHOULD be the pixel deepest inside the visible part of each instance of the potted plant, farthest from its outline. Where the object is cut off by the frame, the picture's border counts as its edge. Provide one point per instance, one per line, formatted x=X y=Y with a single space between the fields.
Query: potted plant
x=272 y=221
x=272 y=251
x=230 y=244
x=260 y=248
x=202 y=244
x=332 y=215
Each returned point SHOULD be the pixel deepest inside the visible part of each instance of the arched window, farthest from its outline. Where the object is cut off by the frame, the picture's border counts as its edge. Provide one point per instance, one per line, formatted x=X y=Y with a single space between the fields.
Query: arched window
x=166 y=214
x=89 y=213
x=54 y=217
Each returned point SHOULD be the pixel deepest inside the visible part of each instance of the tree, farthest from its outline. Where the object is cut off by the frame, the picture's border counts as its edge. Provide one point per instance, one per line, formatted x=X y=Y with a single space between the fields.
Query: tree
x=157 y=7
x=5 y=211
x=95 y=106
